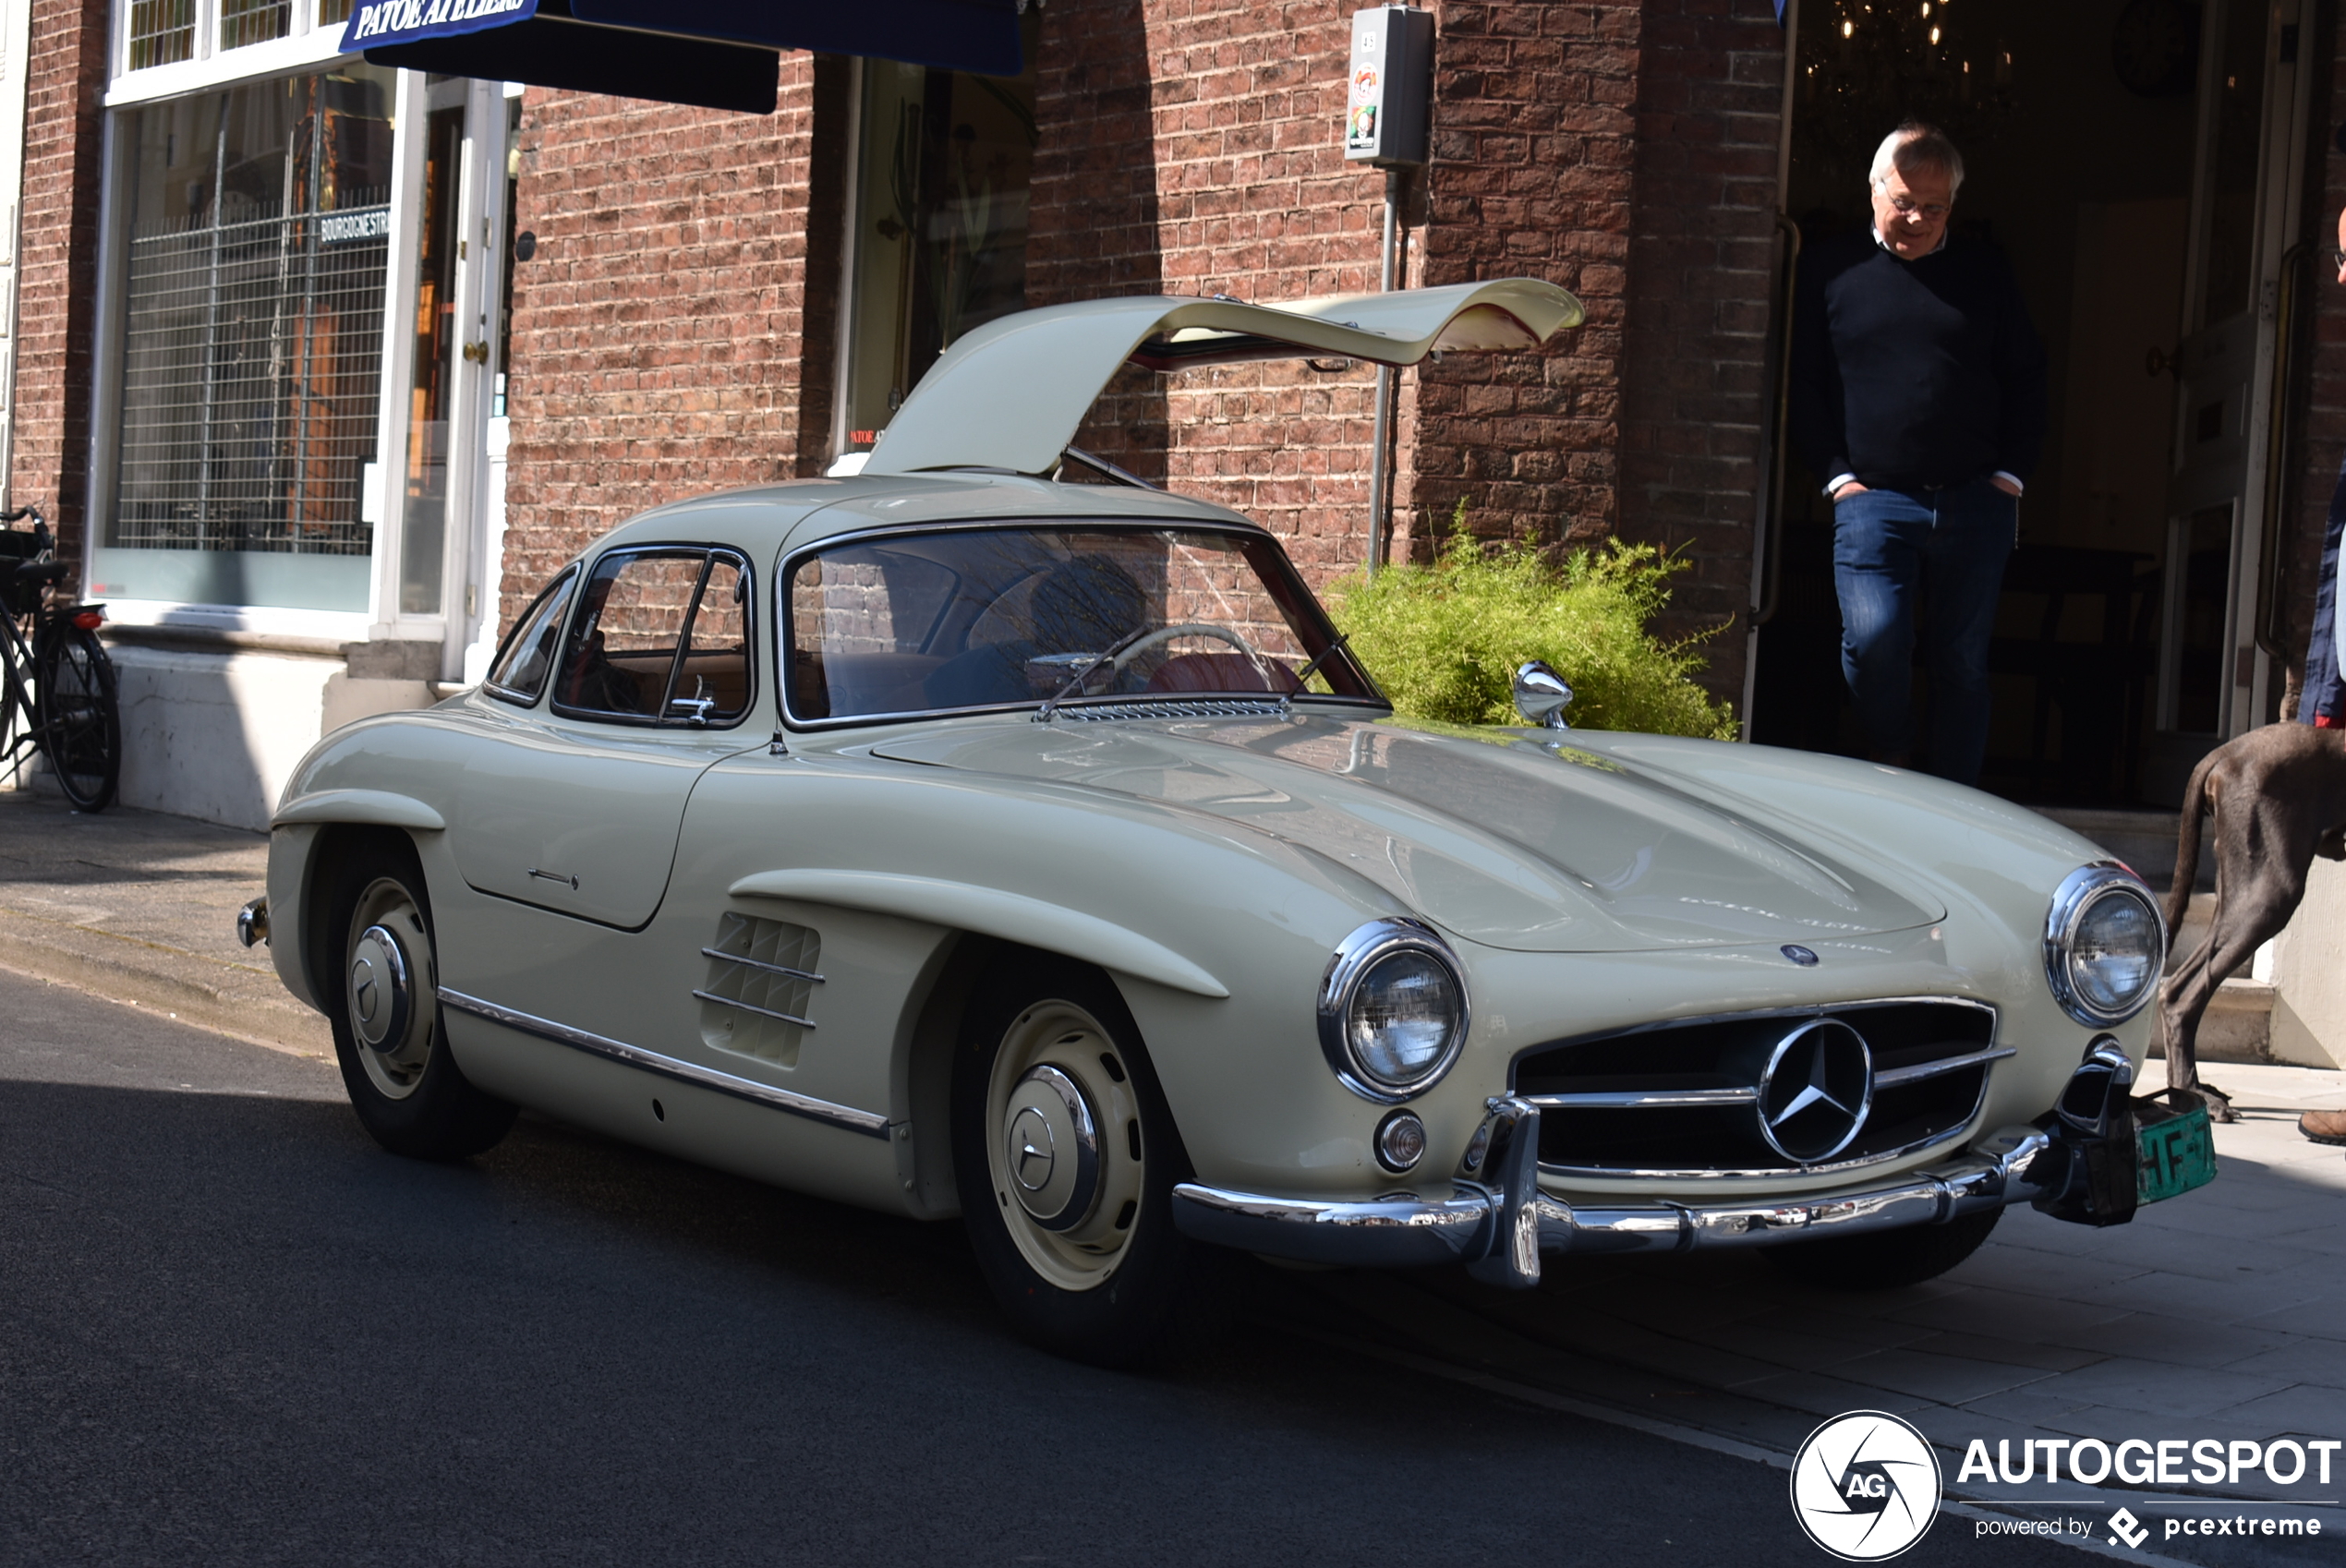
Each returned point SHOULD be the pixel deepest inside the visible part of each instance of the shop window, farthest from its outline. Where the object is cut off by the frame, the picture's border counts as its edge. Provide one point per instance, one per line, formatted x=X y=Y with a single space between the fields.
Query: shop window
x=255 y=257
x=943 y=164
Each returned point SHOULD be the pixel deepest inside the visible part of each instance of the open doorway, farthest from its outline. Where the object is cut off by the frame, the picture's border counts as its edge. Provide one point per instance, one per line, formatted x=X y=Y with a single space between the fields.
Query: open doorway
x=2137 y=161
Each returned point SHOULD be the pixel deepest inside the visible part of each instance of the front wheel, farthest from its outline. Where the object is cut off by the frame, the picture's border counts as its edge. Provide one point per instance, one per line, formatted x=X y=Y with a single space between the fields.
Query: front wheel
x=1066 y=1156
x=383 y=1000
x=80 y=726
x=1885 y=1259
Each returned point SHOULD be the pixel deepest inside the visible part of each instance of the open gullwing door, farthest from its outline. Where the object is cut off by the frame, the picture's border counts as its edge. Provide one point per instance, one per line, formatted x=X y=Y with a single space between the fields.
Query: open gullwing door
x=1012 y=394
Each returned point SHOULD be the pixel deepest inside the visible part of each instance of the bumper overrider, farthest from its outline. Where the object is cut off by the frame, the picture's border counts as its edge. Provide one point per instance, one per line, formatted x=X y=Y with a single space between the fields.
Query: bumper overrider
x=2079 y=1166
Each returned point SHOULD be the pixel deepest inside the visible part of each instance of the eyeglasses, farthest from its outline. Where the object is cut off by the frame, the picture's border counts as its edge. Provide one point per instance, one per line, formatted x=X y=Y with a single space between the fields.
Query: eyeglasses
x=1907 y=206
x=2339 y=257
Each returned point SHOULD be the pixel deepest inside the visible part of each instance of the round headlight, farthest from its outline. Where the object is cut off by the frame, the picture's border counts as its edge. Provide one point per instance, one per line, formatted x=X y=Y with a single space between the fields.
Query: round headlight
x=2104 y=945
x=1392 y=1010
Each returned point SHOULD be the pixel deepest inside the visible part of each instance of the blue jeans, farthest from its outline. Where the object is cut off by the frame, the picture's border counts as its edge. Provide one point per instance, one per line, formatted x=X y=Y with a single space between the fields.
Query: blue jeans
x=2325 y=693
x=1922 y=568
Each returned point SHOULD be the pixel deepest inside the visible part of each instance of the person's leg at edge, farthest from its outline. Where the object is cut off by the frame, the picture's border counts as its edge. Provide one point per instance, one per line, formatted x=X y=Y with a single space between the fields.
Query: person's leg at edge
x=2323 y=700
x=1963 y=562
x=2322 y=703
x=1876 y=569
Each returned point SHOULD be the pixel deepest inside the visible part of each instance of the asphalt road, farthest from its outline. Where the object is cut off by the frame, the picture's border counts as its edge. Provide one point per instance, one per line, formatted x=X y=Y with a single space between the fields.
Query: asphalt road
x=232 y=1330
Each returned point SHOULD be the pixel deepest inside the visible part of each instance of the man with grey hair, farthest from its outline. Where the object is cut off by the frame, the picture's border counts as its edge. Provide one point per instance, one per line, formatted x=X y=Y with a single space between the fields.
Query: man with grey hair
x=1918 y=402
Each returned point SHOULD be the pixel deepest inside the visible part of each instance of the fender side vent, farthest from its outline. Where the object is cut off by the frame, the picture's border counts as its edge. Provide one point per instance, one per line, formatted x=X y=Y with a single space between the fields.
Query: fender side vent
x=760 y=994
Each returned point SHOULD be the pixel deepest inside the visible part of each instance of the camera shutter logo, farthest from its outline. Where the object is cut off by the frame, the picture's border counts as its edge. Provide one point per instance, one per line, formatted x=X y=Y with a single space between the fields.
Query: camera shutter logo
x=1865 y=1486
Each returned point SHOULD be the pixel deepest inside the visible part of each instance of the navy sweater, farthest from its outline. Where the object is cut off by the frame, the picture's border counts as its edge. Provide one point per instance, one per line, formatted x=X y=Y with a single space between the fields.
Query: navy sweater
x=1910 y=374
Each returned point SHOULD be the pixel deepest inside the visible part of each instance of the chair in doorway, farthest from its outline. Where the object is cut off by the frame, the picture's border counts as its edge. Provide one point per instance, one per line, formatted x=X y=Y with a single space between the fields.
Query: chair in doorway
x=2098 y=685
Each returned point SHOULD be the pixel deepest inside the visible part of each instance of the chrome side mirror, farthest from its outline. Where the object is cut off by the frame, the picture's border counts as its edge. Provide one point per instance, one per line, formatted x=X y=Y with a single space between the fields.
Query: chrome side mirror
x=1541 y=696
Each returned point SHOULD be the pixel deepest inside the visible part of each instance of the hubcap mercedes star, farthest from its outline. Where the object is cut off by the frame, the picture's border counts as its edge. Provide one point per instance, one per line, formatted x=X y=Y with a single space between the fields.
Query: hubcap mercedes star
x=380 y=996
x=1064 y=1144
x=1048 y=1114
x=390 y=996
x=1815 y=1090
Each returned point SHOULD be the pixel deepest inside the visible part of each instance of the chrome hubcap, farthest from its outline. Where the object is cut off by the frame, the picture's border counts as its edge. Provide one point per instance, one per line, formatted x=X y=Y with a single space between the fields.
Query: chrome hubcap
x=380 y=999
x=1063 y=1144
x=390 y=982
x=1048 y=1114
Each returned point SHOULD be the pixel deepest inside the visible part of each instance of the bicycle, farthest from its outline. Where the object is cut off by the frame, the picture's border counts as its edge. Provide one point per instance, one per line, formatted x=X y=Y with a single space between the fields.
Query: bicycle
x=55 y=674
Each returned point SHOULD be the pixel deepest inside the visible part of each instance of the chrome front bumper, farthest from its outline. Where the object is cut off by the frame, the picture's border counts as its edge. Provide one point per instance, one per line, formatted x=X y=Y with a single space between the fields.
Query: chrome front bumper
x=1500 y=1225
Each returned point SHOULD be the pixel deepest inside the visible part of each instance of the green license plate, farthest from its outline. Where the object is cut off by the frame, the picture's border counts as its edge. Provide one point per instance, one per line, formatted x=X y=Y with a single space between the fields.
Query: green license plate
x=2173 y=1149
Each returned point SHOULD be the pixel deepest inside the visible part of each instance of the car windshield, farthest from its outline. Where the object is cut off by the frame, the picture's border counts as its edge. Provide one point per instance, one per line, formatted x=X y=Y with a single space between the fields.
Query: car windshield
x=995 y=617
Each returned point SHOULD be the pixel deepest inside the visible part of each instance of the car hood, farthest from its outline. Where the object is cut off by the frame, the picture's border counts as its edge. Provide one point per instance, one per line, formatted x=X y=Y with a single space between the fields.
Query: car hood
x=1499 y=838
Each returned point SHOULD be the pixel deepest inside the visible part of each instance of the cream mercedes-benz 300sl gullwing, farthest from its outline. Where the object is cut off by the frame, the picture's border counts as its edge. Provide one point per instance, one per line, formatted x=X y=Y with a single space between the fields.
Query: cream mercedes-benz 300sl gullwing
x=959 y=838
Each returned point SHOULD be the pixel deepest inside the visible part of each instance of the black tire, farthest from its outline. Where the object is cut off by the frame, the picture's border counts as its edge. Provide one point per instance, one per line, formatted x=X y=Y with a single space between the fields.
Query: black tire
x=80 y=725
x=1071 y=1279
x=380 y=978
x=1885 y=1259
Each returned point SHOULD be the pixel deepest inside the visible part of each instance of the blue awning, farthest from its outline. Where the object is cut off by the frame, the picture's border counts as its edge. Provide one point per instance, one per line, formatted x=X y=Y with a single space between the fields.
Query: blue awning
x=717 y=54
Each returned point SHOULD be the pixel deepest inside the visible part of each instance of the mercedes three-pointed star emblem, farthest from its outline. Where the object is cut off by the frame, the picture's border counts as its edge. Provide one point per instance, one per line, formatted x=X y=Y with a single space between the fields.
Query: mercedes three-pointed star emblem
x=1815 y=1090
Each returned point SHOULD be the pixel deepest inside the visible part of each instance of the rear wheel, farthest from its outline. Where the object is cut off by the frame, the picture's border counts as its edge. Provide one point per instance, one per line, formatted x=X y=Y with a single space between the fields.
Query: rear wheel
x=1065 y=1155
x=1884 y=1259
x=382 y=994
x=80 y=726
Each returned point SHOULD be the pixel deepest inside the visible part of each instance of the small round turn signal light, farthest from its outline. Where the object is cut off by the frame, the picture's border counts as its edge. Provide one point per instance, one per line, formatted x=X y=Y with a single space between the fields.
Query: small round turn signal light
x=1400 y=1141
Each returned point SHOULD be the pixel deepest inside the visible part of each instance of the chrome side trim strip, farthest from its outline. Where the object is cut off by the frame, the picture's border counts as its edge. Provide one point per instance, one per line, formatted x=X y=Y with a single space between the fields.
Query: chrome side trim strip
x=1645 y=1099
x=761 y=1013
x=762 y=964
x=1921 y=1071
x=871 y=1124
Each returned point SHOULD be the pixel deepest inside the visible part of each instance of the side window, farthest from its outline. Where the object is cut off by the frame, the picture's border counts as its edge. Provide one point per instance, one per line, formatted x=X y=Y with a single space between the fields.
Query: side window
x=712 y=680
x=519 y=674
x=660 y=636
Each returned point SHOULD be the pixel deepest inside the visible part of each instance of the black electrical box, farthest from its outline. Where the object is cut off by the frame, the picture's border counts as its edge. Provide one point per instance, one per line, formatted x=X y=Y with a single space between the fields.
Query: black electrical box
x=1389 y=104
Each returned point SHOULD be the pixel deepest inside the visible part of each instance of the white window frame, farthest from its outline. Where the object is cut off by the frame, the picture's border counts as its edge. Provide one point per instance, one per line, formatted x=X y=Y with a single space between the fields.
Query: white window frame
x=306 y=46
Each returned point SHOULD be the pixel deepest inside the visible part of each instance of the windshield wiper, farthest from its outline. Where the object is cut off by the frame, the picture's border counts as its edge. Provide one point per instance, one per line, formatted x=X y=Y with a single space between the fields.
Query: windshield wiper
x=1325 y=654
x=1075 y=681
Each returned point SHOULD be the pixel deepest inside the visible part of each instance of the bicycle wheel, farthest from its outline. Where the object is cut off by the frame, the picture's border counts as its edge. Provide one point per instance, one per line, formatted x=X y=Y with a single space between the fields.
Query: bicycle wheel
x=80 y=727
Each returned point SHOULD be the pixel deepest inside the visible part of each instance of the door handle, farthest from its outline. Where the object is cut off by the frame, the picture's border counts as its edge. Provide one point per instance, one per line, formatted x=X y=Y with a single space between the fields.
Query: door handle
x=478 y=353
x=2158 y=362
x=569 y=882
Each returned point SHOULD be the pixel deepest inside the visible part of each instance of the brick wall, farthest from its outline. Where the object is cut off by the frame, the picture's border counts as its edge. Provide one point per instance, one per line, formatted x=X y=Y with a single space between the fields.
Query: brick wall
x=1531 y=175
x=672 y=334
x=57 y=263
x=2316 y=436
x=1247 y=193
x=1702 y=253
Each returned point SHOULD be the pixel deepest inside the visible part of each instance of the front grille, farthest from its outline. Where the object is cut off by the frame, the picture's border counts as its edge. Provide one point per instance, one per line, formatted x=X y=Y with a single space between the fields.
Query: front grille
x=1683 y=1099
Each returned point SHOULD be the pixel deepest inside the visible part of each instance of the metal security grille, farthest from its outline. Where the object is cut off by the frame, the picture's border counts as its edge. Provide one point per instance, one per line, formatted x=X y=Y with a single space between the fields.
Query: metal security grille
x=253 y=349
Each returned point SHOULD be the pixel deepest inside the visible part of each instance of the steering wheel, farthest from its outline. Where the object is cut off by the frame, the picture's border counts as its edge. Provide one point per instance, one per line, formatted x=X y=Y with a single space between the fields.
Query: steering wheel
x=1187 y=629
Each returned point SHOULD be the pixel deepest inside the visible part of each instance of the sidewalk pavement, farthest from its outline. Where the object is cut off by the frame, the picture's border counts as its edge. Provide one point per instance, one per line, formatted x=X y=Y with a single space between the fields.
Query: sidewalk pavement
x=141 y=908
x=2219 y=1314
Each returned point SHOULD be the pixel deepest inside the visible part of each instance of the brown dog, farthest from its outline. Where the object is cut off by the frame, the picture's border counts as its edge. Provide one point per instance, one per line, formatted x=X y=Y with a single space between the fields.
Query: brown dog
x=2278 y=798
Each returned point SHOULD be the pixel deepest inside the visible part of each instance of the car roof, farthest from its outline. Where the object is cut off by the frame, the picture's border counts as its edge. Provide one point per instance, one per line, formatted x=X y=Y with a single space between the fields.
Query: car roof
x=765 y=520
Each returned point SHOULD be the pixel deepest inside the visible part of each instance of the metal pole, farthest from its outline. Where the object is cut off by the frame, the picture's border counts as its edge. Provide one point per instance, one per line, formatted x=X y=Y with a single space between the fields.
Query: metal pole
x=1380 y=477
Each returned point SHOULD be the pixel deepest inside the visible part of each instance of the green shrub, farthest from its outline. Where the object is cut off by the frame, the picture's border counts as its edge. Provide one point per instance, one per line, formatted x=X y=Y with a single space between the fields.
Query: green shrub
x=1444 y=640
